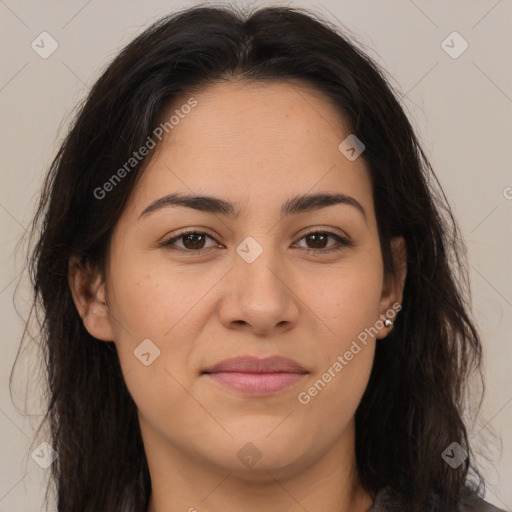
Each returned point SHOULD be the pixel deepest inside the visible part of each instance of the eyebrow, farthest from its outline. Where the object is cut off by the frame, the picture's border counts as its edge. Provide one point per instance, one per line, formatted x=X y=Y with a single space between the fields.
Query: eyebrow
x=299 y=204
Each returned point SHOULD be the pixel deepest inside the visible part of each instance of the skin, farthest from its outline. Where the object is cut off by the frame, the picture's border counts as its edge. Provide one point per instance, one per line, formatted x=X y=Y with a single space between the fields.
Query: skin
x=256 y=145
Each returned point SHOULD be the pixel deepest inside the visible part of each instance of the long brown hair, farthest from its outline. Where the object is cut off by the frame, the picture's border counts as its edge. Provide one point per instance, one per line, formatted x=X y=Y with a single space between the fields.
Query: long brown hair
x=412 y=409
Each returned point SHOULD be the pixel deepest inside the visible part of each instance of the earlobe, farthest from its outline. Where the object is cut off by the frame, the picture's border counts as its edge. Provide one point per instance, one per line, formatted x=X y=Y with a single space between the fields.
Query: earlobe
x=89 y=295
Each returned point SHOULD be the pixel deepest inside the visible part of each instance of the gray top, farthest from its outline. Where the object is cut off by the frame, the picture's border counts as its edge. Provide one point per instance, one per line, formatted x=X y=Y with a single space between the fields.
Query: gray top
x=388 y=501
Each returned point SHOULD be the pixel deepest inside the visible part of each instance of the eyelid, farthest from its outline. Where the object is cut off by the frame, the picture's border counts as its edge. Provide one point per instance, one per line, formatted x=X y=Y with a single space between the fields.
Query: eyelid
x=343 y=241
x=325 y=229
x=188 y=231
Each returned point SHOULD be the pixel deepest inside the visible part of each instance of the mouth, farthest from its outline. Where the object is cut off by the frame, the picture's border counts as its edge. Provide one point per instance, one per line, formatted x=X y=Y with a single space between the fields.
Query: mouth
x=254 y=376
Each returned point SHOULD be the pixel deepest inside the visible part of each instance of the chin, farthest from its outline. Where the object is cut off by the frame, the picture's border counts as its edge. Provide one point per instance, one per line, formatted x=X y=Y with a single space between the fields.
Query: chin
x=259 y=458
x=268 y=468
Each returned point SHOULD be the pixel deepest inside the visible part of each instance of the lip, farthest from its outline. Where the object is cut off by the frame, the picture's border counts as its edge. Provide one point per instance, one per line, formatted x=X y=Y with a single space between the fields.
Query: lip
x=256 y=376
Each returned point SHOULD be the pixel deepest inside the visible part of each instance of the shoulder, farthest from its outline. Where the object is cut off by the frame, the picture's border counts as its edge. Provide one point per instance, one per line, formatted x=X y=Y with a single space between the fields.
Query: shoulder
x=477 y=504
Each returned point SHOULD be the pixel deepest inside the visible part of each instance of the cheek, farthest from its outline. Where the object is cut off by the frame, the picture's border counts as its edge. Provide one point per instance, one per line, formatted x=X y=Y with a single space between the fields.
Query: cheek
x=333 y=396
x=348 y=309
x=154 y=305
x=149 y=306
x=346 y=297
x=152 y=298
x=347 y=302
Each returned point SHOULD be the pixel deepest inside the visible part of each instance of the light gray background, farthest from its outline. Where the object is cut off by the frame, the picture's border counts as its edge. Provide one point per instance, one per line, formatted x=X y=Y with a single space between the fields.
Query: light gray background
x=461 y=108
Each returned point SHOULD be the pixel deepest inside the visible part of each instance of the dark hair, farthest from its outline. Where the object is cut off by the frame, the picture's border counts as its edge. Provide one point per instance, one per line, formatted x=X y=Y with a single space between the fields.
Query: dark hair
x=413 y=405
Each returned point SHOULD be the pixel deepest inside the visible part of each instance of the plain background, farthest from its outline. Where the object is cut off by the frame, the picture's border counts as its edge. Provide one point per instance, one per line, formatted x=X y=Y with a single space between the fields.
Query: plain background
x=461 y=108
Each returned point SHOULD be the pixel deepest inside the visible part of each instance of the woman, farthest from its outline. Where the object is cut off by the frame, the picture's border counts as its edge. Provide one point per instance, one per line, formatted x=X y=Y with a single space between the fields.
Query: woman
x=246 y=268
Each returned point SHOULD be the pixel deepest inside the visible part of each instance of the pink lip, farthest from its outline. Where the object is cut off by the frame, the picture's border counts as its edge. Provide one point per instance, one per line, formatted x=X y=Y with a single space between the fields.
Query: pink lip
x=256 y=376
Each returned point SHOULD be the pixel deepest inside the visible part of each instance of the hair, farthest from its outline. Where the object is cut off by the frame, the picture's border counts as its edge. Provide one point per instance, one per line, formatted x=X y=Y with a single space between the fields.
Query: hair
x=413 y=406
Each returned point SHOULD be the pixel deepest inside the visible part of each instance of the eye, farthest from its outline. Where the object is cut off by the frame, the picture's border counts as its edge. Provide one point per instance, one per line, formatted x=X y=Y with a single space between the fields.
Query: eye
x=193 y=241
x=319 y=240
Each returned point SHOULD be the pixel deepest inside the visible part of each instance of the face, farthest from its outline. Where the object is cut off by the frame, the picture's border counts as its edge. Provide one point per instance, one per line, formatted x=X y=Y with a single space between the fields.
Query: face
x=191 y=285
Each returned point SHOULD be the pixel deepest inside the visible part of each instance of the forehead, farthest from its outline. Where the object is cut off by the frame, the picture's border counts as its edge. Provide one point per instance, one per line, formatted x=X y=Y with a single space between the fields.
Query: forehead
x=232 y=113
x=268 y=138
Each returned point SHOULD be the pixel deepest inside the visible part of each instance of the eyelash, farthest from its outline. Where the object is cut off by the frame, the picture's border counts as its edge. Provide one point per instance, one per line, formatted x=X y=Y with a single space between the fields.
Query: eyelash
x=343 y=242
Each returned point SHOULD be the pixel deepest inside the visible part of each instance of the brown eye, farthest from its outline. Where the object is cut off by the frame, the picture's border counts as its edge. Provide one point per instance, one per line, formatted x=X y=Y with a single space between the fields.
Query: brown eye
x=317 y=242
x=192 y=241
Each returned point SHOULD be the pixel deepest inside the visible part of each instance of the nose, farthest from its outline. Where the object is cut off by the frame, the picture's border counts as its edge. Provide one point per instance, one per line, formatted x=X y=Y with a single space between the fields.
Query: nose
x=259 y=296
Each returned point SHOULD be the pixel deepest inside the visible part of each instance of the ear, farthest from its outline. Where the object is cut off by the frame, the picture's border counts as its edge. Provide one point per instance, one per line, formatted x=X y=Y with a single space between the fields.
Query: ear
x=393 y=286
x=89 y=295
